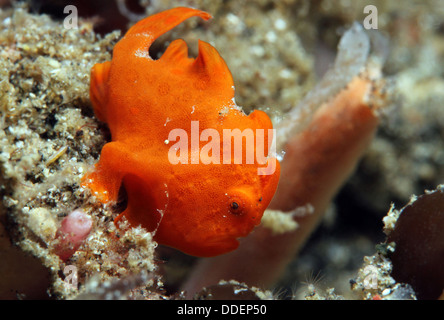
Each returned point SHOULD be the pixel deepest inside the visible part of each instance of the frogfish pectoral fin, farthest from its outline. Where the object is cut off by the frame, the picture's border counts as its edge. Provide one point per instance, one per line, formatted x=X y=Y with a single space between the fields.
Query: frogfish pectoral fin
x=140 y=36
x=146 y=203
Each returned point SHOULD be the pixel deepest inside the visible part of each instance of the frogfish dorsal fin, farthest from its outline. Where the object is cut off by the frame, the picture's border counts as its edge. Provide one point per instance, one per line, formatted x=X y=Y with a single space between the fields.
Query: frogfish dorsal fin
x=177 y=52
x=140 y=36
x=212 y=67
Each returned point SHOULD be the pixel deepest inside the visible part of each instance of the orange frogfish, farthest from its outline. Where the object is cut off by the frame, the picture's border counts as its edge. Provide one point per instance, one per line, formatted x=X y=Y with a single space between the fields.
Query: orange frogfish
x=196 y=169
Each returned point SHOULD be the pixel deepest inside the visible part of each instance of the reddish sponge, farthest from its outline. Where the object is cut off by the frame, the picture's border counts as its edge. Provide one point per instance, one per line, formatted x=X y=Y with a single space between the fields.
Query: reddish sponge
x=74 y=229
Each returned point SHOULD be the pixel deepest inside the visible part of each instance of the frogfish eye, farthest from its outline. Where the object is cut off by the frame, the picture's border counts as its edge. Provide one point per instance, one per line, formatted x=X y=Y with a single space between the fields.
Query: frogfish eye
x=234 y=207
x=239 y=202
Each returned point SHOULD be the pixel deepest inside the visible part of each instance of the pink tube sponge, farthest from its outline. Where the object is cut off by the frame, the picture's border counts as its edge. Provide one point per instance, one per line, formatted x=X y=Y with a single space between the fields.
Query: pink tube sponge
x=73 y=231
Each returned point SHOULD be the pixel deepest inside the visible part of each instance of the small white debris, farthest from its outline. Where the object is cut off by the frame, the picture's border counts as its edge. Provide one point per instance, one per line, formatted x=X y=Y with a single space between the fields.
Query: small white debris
x=280 y=24
x=143 y=54
x=257 y=50
x=270 y=36
x=285 y=74
x=386 y=292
